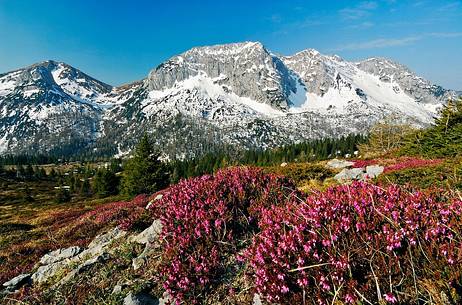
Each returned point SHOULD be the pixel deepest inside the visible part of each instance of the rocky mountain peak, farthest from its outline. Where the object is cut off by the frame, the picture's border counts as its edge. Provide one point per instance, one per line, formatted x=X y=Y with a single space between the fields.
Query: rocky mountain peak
x=246 y=69
x=239 y=93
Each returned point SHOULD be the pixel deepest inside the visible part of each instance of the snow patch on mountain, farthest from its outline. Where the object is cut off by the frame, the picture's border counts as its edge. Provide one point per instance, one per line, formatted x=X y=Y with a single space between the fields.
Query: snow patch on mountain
x=239 y=94
x=203 y=97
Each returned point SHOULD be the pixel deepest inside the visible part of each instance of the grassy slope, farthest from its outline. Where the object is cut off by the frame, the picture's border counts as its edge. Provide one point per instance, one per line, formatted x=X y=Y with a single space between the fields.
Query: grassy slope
x=30 y=229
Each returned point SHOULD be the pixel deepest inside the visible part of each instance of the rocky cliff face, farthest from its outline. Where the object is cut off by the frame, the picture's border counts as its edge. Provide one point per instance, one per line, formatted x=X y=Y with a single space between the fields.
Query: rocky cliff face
x=247 y=69
x=238 y=94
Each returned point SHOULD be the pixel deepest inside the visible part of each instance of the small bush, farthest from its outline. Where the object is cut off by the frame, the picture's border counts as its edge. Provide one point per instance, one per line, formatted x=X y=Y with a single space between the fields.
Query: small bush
x=301 y=172
x=396 y=164
x=446 y=174
x=206 y=221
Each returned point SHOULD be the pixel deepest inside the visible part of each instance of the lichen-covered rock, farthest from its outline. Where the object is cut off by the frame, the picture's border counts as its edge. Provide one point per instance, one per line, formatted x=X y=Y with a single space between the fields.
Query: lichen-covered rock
x=373 y=171
x=150 y=235
x=17 y=282
x=106 y=238
x=350 y=174
x=59 y=255
x=339 y=164
x=140 y=299
x=84 y=267
x=44 y=273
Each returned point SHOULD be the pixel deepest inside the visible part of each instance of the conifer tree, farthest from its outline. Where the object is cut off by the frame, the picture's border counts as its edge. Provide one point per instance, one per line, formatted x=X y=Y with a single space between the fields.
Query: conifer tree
x=105 y=183
x=85 y=188
x=144 y=173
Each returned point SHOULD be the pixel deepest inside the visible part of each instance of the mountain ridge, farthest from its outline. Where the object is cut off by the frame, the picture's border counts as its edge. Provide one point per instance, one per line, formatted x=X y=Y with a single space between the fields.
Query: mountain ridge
x=239 y=94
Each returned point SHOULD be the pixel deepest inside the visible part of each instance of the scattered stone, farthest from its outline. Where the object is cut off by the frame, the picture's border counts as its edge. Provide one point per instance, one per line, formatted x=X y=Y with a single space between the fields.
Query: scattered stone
x=59 y=255
x=158 y=197
x=138 y=262
x=283 y=164
x=99 y=244
x=165 y=299
x=257 y=299
x=84 y=267
x=339 y=164
x=59 y=259
x=46 y=272
x=140 y=299
x=350 y=174
x=118 y=289
x=106 y=238
x=373 y=171
x=150 y=235
x=17 y=282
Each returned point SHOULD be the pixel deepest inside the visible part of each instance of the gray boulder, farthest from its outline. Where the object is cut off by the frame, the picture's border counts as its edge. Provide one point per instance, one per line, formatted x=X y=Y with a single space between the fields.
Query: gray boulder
x=140 y=299
x=339 y=164
x=350 y=174
x=58 y=260
x=150 y=235
x=99 y=244
x=106 y=238
x=44 y=273
x=84 y=267
x=373 y=171
x=17 y=282
x=59 y=255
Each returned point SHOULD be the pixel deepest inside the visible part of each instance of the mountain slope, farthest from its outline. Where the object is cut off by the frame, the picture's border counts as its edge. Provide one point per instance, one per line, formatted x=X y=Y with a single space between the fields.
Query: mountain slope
x=239 y=94
x=49 y=106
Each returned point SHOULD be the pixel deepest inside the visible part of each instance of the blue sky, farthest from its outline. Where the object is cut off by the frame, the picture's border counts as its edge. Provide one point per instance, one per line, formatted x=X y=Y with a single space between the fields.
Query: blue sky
x=120 y=41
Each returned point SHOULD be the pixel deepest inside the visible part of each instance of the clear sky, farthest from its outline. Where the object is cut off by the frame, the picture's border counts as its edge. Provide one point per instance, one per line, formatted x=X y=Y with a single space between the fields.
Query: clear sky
x=120 y=41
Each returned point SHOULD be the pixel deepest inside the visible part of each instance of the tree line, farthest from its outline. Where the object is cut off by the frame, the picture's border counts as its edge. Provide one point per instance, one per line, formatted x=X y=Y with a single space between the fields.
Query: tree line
x=143 y=172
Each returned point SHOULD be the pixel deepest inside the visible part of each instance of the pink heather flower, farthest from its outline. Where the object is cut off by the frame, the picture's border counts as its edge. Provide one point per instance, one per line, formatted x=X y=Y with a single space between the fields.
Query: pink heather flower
x=350 y=299
x=390 y=298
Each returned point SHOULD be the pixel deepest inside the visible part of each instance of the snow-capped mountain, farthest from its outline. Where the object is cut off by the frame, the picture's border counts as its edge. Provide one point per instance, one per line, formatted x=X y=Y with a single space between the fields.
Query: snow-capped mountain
x=209 y=96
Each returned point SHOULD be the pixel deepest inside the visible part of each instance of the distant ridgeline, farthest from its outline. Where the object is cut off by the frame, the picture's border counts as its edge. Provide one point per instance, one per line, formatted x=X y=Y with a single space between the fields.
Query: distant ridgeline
x=226 y=155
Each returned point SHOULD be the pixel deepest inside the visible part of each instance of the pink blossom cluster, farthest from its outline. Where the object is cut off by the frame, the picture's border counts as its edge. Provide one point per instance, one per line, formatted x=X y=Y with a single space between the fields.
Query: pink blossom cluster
x=411 y=163
x=363 y=163
x=397 y=164
x=123 y=213
x=355 y=243
x=206 y=221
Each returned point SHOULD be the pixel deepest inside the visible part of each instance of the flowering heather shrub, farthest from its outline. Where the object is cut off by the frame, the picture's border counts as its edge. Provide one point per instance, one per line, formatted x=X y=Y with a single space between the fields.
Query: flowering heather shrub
x=358 y=243
x=397 y=164
x=411 y=163
x=364 y=163
x=126 y=214
x=208 y=219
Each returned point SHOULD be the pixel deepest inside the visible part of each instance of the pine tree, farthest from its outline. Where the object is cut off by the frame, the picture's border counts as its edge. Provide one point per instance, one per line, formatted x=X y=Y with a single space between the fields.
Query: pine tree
x=85 y=188
x=29 y=172
x=105 y=183
x=144 y=173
